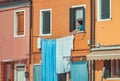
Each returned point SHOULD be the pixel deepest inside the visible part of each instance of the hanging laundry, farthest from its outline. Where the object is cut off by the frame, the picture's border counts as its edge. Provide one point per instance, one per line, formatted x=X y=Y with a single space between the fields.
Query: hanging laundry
x=37 y=73
x=63 y=49
x=49 y=60
x=79 y=71
x=39 y=43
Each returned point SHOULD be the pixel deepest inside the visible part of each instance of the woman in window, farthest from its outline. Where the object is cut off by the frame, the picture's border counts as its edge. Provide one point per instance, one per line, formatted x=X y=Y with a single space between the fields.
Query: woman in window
x=79 y=27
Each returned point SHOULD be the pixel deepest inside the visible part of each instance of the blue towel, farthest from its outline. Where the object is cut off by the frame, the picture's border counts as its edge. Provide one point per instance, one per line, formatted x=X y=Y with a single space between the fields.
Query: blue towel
x=79 y=71
x=49 y=60
x=37 y=73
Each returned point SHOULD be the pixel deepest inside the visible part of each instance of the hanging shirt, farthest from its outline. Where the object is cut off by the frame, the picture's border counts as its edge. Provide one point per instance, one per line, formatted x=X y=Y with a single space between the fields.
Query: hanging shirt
x=80 y=28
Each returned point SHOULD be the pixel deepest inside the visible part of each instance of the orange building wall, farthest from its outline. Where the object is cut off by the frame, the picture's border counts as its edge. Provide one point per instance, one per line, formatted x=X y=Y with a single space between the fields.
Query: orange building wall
x=60 y=21
x=107 y=32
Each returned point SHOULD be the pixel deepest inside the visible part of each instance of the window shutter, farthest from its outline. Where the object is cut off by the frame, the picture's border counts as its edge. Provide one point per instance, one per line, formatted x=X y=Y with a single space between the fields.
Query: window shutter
x=46 y=22
x=83 y=19
x=20 y=23
x=105 y=9
x=72 y=19
x=107 y=64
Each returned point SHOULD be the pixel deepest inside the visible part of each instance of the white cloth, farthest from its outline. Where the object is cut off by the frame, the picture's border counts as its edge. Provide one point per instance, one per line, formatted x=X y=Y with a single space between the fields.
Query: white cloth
x=63 y=49
x=39 y=43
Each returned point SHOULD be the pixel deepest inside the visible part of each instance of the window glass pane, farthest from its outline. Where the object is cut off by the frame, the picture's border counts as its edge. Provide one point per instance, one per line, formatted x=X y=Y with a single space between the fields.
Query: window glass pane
x=79 y=15
x=107 y=65
x=105 y=9
x=46 y=22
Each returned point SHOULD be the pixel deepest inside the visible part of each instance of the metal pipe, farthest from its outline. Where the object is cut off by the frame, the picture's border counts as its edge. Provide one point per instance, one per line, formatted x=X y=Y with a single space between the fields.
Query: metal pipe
x=92 y=35
x=30 y=33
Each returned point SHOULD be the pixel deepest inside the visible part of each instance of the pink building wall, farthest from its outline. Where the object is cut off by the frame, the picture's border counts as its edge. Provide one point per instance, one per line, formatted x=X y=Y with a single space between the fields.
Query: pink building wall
x=13 y=47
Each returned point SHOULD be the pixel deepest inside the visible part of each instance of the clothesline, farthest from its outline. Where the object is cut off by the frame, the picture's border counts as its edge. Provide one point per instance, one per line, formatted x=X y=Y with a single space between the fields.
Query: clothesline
x=53 y=37
x=71 y=56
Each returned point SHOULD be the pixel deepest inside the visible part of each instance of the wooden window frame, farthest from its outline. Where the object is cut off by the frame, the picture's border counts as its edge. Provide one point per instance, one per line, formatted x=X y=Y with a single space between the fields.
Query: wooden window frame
x=15 y=23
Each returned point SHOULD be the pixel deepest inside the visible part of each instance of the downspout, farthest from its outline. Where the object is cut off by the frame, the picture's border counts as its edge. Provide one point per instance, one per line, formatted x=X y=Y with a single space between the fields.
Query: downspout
x=30 y=33
x=92 y=36
x=30 y=37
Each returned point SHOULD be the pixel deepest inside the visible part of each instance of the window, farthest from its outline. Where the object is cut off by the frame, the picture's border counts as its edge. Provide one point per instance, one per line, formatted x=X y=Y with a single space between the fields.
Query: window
x=77 y=13
x=104 y=9
x=45 y=22
x=112 y=69
x=19 y=23
x=19 y=72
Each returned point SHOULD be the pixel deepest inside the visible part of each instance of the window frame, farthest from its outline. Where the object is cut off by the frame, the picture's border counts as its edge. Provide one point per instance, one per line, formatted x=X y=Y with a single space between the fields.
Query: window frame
x=15 y=23
x=99 y=12
x=111 y=71
x=40 y=25
x=77 y=7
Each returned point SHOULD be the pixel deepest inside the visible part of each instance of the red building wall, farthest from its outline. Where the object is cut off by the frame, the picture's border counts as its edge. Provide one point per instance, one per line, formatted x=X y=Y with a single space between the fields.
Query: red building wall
x=13 y=47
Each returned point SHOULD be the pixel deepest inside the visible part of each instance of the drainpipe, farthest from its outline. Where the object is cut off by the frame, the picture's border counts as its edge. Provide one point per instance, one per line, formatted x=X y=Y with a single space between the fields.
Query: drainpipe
x=30 y=37
x=92 y=37
x=30 y=33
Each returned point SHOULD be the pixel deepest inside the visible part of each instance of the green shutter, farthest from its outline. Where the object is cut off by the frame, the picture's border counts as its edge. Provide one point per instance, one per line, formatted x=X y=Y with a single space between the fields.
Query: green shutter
x=107 y=64
x=72 y=19
x=83 y=19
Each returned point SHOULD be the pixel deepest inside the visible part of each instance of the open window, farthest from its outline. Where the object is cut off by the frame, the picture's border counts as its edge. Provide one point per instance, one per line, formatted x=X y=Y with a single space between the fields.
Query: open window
x=19 y=23
x=77 y=13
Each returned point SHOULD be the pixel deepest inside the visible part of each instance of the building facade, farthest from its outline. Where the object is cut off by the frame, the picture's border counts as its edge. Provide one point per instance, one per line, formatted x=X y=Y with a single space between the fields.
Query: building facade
x=55 y=19
x=15 y=34
x=105 y=52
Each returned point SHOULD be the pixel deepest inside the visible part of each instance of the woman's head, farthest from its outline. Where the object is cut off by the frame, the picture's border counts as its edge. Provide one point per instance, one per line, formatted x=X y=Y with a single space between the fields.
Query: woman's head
x=80 y=22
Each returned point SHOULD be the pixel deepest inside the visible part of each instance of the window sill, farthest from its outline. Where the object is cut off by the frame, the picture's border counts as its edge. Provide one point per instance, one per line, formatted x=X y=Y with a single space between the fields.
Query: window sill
x=100 y=20
x=113 y=78
x=80 y=32
x=17 y=36
x=45 y=34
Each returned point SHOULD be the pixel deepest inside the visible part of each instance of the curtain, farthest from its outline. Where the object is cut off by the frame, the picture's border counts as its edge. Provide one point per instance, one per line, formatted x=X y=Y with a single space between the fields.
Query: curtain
x=37 y=73
x=79 y=71
x=49 y=60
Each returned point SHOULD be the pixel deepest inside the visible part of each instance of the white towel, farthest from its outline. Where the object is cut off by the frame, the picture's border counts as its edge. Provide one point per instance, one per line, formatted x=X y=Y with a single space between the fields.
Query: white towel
x=63 y=49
